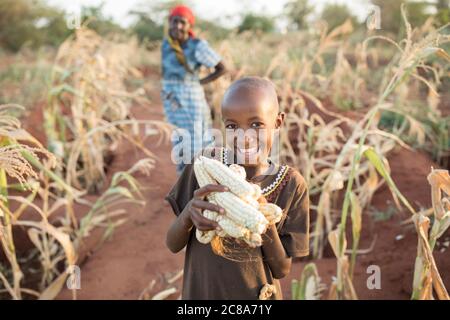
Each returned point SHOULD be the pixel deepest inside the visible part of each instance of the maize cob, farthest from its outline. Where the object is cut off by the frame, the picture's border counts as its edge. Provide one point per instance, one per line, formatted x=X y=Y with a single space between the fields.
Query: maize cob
x=247 y=214
x=257 y=192
x=206 y=236
x=272 y=212
x=239 y=170
x=203 y=178
x=226 y=177
x=254 y=240
x=267 y=291
x=252 y=201
x=241 y=212
x=231 y=228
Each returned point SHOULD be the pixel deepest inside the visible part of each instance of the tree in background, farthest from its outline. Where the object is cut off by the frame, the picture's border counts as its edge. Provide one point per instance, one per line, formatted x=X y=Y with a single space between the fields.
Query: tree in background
x=337 y=14
x=30 y=23
x=297 y=12
x=145 y=28
x=34 y=23
x=257 y=23
x=443 y=11
x=97 y=21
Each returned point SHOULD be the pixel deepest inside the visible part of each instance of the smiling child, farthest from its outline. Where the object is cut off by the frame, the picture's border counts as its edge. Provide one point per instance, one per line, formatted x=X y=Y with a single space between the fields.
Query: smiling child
x=251 y=116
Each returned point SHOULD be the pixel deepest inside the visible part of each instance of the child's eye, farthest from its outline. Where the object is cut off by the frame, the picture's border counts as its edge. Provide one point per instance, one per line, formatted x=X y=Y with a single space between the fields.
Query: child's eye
x=230 y=126
x=257 y=124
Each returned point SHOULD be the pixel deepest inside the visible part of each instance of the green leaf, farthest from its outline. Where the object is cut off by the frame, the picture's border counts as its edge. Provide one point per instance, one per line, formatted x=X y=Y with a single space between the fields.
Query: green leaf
x=377 y=162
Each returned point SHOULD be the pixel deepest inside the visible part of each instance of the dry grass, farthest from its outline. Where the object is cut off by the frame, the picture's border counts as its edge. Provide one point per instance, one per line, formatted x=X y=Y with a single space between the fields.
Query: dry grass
x=50 y=222
x=89 y=107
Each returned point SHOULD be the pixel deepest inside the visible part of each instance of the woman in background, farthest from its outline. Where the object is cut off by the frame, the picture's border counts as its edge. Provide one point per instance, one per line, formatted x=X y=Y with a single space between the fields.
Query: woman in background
x=182 y=93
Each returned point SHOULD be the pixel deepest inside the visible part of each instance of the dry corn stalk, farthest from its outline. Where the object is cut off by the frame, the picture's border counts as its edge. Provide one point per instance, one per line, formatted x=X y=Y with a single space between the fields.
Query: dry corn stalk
x=426 y=274
x=88 y=82
x=310 y=286
x=345 y=288
x=244 y=217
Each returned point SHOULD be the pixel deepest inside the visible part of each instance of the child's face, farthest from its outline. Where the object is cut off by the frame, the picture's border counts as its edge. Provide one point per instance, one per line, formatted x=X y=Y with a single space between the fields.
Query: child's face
x=251 y=119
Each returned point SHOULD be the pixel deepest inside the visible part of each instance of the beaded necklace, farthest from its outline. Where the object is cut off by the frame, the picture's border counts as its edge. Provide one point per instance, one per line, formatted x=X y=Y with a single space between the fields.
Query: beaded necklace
x=269 y=191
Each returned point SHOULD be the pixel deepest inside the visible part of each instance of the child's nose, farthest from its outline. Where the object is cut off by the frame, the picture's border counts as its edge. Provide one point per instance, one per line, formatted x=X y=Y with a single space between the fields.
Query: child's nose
x=249 y=140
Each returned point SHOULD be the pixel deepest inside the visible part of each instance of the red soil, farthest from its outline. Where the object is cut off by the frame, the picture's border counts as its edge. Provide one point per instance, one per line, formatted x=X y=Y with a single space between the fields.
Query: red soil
x=123 y=266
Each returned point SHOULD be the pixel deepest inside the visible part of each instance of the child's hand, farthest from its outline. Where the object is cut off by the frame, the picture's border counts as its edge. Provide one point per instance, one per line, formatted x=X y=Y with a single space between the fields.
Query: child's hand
x=199 y=203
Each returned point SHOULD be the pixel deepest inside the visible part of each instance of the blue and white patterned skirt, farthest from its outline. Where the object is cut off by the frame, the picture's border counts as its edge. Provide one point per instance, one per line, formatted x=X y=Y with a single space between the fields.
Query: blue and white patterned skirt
x=186 y=108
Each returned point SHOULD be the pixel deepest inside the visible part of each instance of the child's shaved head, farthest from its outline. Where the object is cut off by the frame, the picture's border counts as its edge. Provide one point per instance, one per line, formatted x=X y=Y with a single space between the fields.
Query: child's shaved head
x=253 y=86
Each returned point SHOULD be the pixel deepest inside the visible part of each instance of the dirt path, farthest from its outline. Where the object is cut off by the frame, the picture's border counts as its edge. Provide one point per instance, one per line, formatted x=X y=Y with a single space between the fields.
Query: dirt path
x=136 y=254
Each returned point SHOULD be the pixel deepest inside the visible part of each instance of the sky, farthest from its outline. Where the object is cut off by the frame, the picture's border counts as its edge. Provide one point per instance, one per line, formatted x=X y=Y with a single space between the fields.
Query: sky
x=227 y=13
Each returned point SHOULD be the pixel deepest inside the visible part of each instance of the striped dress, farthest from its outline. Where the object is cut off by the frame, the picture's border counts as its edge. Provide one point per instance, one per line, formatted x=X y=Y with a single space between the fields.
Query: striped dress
x=183 y=97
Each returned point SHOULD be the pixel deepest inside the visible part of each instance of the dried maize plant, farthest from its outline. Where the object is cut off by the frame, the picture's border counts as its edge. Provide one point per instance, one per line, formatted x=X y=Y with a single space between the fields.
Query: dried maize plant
x=310 y=286
x=58 y=247
x=34 y=205
x=313 y=146
x=417 y=99
x=88 y=92
x=240 y=51
x=412 y=54
x=16 y=162
x=163 y=288
x=426 y=274
x=307 y=77
x=47 y=218
x=348 y=292
x=245 y=218
x=347 y=83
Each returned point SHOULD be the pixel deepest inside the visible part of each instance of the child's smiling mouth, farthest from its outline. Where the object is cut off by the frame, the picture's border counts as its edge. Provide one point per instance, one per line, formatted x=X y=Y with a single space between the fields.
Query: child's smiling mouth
x=248 y=154
x=248 y=151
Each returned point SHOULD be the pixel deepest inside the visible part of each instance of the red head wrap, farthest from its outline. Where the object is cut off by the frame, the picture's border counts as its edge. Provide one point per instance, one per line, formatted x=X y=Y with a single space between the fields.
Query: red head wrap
x=185 y=12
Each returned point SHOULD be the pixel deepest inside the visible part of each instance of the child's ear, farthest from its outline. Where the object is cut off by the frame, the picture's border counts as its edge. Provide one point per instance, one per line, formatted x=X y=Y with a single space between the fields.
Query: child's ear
x=280 y=120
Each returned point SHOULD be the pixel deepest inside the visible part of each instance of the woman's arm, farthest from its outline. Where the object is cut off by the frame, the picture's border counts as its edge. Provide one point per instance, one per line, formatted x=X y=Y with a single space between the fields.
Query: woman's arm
x=180 y=230
x=274 y=253
x=219 y=70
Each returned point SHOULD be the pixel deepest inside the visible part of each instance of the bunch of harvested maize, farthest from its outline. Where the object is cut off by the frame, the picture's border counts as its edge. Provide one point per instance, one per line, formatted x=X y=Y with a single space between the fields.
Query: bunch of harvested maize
x=245 y=217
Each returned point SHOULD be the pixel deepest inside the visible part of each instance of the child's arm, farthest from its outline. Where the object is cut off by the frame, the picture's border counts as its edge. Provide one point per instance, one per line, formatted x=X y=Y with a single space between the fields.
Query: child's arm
x=179 y=231
x=275 y=255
